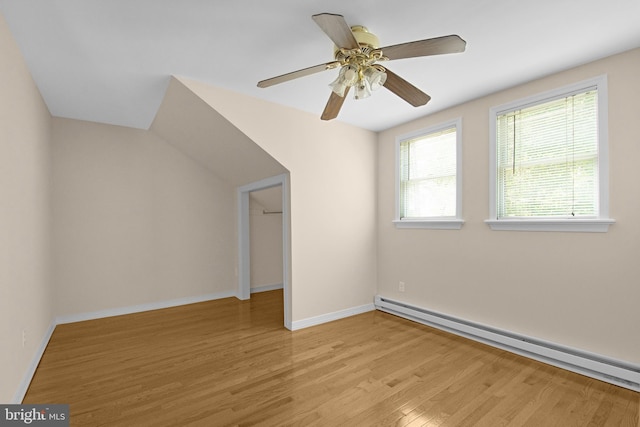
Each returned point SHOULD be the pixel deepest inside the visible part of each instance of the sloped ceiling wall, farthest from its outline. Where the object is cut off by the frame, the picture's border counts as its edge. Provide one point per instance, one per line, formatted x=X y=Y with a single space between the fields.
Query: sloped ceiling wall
x=332 y=193
x=193 y=127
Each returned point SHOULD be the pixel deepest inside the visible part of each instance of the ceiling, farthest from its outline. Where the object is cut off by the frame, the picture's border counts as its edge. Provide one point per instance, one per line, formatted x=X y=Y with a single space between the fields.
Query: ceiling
x=110 y=61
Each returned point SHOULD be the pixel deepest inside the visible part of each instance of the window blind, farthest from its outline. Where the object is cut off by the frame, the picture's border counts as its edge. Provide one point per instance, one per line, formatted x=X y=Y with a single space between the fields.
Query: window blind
x=428 y=175
x=547 y=158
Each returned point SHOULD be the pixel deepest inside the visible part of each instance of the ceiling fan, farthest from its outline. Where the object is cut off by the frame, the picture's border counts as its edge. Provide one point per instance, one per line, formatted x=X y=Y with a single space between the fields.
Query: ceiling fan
x=357 y=54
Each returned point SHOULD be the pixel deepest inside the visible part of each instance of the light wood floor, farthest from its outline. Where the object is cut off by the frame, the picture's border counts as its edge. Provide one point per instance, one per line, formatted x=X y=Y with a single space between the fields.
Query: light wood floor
x=229 y=362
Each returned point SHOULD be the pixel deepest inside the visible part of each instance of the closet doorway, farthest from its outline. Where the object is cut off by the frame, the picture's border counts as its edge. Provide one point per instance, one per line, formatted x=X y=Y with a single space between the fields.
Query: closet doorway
x=265 y=239
x=257 y=208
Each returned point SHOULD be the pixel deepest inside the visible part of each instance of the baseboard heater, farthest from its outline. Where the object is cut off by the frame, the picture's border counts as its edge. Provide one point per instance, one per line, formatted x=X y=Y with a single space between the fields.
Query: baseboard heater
x=613 y=371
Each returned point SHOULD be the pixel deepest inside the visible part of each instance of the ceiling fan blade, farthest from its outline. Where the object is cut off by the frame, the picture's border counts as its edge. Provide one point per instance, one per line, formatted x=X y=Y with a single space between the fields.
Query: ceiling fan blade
x=435 y=46
x=334 y=105
x=337 y=29
x=296 y=74
x=405 y=90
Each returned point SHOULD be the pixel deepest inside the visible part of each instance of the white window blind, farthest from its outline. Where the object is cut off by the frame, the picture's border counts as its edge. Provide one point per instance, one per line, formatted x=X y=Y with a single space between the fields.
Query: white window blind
x=428 y=175
x=547 y=159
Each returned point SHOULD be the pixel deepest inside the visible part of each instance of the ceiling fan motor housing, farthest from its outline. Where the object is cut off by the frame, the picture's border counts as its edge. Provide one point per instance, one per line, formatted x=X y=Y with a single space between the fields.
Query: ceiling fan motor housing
x=363 y=37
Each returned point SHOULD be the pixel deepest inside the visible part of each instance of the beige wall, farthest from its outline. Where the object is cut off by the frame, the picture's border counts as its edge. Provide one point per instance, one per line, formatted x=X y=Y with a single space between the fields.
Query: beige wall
x=189 y=124
x=25 y=293
x=135 y=221
x=575 y=289
x=333 y=191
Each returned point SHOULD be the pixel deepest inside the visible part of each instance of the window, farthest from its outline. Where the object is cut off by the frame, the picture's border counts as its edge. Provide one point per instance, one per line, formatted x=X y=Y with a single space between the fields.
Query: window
x=428 y=181
x=549 y=161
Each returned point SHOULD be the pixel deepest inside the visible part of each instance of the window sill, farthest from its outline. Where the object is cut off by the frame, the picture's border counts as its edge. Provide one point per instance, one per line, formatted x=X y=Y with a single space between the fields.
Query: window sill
x=434 y=224
x=600 y=225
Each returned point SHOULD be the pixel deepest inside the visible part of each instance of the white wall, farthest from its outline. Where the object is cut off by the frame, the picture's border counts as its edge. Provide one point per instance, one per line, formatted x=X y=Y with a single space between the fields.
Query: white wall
x=25 y=292
x=135 y=221
x=575 y=289
x=332 y=170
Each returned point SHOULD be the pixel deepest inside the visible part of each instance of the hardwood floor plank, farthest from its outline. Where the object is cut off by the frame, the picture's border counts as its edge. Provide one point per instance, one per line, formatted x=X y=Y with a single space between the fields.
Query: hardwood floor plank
x=231 y=363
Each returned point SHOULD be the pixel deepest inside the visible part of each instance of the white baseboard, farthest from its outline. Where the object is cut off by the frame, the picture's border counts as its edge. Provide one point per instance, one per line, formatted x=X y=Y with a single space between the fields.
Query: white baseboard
x=266 y=288
x=603 y=368
x=71 y=318
x=31 y=369
x=329 y=317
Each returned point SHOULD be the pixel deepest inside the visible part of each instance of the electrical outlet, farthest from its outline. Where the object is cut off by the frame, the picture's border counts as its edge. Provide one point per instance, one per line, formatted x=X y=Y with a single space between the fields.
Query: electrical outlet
x=24 y=338
x=401 y=286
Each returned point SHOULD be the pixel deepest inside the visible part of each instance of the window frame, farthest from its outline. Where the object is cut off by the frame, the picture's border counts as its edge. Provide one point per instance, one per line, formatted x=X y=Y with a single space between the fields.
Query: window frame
x=595 y=224
x=440 y=223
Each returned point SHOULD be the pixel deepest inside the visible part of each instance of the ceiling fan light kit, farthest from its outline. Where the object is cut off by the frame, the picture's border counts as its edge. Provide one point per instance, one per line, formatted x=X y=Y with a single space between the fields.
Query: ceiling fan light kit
x=358 y=66
x=357 y=52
